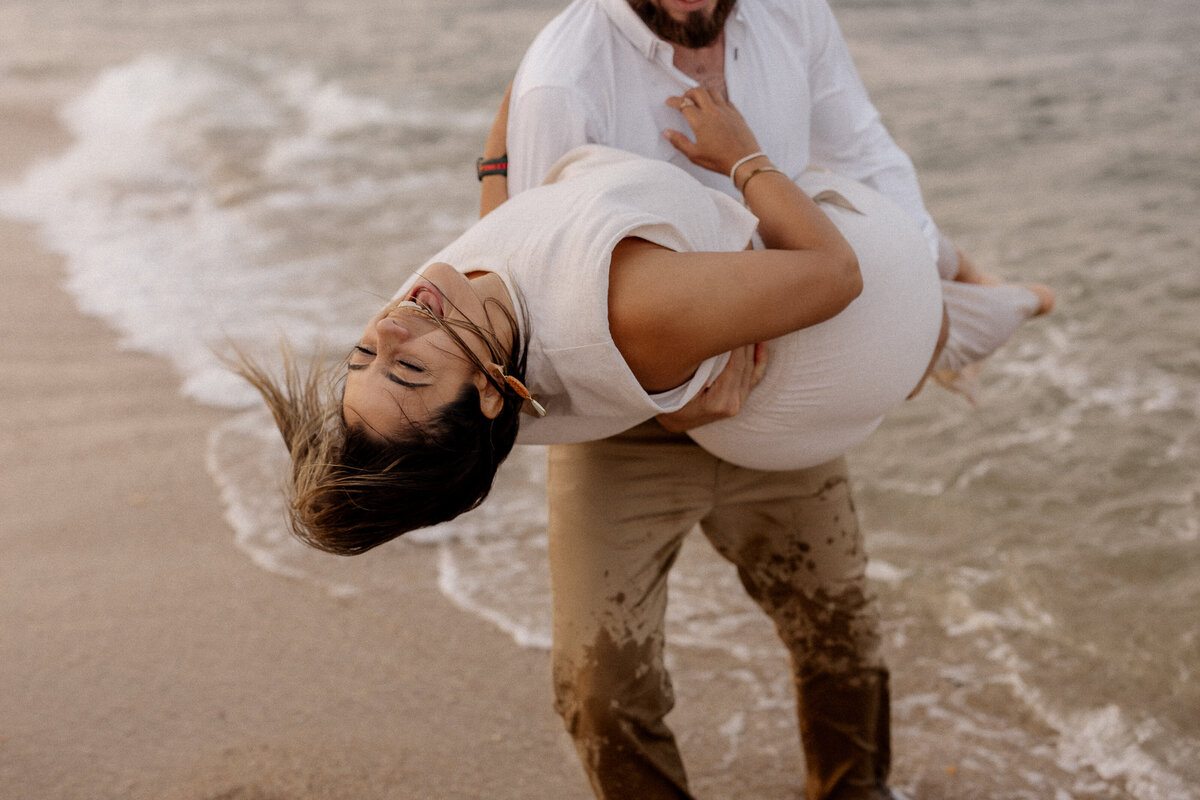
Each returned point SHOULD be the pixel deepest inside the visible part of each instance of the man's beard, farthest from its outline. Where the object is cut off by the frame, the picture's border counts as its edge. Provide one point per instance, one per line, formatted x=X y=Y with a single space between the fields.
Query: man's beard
x=696 y=31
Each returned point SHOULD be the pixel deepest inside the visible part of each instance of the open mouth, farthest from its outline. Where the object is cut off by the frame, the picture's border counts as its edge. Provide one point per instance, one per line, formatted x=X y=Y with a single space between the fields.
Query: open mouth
x=424 y=298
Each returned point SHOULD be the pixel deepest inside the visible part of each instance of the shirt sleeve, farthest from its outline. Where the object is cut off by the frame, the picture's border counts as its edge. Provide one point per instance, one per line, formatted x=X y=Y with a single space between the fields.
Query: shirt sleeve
x=848 y=136
x=544 y=123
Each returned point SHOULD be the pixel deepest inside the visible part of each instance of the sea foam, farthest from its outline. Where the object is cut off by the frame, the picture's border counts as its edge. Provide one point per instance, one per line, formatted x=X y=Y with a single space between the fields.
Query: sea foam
x=178 y=202
x=219 y=197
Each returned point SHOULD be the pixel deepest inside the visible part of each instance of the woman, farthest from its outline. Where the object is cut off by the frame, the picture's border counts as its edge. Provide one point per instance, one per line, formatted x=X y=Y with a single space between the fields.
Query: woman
x=625 y=287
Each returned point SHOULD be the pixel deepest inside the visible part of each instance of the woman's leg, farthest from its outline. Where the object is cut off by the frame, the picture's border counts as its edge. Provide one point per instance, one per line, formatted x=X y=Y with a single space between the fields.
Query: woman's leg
x=982 y=318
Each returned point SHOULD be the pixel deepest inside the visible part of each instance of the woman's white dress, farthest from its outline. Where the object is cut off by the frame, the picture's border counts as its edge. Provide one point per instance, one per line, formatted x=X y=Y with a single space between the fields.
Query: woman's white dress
x=826 y=387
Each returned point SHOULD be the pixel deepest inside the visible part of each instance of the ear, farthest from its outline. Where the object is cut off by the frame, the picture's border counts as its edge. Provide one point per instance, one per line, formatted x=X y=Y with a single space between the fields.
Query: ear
x=491 y=401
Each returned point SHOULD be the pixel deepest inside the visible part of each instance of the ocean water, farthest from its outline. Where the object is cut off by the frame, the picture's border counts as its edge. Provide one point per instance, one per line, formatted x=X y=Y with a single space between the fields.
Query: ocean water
x=264 y=169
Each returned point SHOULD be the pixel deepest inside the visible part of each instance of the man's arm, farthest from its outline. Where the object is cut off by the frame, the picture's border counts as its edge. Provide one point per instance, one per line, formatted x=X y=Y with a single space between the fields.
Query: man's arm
x=544 y=123
x=849 y=137
x=493 y=187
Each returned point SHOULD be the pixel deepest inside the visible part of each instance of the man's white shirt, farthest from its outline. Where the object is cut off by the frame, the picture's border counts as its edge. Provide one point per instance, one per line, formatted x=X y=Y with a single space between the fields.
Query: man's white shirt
x=597 y=74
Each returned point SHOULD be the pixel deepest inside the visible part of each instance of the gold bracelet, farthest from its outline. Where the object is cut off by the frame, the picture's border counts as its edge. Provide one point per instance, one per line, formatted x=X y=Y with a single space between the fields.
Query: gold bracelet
x=750 y=177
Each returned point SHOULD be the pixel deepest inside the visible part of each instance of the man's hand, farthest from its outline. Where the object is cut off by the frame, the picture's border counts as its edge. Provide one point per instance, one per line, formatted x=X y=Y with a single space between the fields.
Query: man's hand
x=723 y=397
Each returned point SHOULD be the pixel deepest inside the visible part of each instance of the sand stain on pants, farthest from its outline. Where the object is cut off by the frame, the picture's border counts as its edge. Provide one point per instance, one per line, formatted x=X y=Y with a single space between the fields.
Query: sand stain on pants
x=619 y=510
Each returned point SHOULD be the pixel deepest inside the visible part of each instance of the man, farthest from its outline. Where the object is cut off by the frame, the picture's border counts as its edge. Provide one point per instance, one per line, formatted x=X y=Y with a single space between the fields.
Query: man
x=619 y=509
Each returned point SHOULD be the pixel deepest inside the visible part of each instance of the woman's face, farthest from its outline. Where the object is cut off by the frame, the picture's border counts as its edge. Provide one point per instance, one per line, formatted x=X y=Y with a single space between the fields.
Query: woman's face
x=406 y=365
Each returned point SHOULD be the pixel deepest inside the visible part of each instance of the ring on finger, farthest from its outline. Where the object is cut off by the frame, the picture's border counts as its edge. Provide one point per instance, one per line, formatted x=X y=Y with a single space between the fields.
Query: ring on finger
x=686 y=102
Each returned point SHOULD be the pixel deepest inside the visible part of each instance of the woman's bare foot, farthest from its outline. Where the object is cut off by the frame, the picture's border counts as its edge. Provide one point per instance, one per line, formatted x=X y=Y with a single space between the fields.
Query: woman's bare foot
x=969 y=273
x=1045 y=297
x=987 y=315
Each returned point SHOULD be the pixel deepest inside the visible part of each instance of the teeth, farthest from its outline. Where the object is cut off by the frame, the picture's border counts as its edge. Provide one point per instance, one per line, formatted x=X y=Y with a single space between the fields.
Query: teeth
x=410 y=304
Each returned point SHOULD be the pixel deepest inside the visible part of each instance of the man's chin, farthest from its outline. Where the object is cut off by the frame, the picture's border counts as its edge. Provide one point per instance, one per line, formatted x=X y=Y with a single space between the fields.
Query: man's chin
x=696 y=31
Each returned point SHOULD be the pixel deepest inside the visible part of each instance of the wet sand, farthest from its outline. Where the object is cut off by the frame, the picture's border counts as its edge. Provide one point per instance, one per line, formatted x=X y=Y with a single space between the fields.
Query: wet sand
x=146 y=657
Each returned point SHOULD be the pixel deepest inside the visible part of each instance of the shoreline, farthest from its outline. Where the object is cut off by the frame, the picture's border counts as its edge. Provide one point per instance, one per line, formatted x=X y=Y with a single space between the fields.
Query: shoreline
x=146 y=656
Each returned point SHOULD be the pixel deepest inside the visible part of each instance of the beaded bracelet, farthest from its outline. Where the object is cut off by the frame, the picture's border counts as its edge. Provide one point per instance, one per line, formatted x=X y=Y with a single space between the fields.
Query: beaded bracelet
x=491 y=166
x=741 y=161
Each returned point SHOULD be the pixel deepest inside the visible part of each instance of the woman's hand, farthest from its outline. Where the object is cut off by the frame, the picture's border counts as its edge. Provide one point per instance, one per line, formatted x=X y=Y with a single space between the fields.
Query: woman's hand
x=723 y=397
x=722 y=135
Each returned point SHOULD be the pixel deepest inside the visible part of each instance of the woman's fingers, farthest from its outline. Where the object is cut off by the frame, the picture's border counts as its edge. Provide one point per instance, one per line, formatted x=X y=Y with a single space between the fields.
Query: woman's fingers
x=681 y=143
x=721 y=135
x=696 y=97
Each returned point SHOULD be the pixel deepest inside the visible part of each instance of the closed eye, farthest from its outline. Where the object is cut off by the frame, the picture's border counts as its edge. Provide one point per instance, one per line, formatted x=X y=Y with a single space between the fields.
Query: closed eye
x=409 y=365
x=359 y=350
x=355 y=359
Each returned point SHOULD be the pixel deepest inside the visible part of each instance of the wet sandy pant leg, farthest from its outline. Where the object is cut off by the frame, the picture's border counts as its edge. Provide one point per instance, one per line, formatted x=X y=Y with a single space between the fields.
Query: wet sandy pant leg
x=795 y=539
x=619 y=510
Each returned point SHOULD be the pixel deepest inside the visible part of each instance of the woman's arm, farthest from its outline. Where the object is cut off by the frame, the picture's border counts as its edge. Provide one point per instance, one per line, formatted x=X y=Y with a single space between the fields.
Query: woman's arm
x=788 y=219
x=493 y=189
x=669 y=311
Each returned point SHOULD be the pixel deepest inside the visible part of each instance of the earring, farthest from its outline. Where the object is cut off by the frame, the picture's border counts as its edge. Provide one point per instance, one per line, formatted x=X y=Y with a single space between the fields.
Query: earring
x=519 y=389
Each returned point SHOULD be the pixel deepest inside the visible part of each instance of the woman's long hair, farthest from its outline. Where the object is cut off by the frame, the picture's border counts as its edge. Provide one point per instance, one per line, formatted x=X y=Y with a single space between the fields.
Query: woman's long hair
x=352 y=490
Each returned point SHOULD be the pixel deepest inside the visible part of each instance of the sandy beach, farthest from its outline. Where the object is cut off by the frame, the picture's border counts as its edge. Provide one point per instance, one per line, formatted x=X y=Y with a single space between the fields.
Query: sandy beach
x=145 y=657
x=252 y=169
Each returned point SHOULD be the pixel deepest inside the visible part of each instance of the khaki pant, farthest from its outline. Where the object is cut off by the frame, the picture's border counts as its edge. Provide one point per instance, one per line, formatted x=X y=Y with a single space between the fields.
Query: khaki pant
x=619 y=510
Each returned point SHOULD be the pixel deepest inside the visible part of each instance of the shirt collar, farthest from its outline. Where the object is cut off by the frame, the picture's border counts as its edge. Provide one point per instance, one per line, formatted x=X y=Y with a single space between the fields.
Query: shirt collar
x=626 y=20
